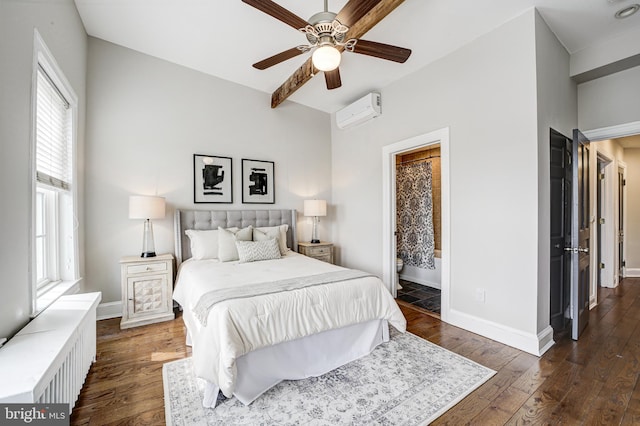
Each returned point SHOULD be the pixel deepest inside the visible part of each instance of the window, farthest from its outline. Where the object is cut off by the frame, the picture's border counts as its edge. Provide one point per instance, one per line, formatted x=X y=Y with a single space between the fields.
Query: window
x=55 y=266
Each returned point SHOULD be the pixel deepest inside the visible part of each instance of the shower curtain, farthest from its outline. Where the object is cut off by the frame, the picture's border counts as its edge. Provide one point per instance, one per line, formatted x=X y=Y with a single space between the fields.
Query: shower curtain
x=414 y=207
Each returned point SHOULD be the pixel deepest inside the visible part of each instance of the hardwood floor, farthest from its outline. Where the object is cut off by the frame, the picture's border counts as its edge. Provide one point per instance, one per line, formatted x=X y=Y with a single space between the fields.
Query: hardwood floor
x=590 y=382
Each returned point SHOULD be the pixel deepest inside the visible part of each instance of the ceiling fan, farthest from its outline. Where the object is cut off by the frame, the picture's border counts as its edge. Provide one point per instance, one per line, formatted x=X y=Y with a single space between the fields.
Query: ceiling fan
x=328 y=34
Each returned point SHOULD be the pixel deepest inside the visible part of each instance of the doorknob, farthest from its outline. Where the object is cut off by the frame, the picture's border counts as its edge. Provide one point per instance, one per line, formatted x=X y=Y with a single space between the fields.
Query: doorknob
x=577 y=250
x=556 y=246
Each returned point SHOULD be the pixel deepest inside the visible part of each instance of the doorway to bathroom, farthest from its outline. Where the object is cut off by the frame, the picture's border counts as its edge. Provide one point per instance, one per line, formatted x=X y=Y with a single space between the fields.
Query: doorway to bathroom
x=418 y=227
x=423 y=279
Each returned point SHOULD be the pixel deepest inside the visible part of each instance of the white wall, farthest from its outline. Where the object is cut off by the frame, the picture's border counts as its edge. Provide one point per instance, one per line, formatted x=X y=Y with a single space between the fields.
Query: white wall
x=606 y=55
x=557 y=109
x=147 y=119
x=486 y=94
x=632 y=237
x=60 y=26
x=609 y=101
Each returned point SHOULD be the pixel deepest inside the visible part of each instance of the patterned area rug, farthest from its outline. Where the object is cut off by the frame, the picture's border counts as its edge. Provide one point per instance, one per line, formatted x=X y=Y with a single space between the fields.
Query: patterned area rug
x=407 y=381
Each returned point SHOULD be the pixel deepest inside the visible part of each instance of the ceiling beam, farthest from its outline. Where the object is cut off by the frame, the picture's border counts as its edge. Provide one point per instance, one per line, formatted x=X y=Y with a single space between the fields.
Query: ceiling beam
x=307 y=70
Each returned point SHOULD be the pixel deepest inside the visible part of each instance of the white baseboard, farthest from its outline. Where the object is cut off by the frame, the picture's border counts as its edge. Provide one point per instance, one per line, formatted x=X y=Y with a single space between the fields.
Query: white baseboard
x=420 y=281
x=109 y=310
x=528 y=342
x=632 y=272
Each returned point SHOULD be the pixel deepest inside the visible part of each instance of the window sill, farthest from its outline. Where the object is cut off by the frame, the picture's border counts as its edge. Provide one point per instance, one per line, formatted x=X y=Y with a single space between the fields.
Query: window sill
x=51 y=293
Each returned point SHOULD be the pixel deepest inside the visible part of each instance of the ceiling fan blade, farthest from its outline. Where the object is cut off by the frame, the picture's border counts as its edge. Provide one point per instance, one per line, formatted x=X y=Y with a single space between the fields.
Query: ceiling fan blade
x=354 y=10
x=332 y=78
x=357 y=30
x=277 y=58
x=278 y=12
x=381 y=50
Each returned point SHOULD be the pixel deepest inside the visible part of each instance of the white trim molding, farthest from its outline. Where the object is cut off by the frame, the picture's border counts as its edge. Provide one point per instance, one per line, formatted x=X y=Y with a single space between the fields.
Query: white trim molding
x=534 y=344
x=632 y=272
x=389 y=152
x=109 y=310
x=613 y=132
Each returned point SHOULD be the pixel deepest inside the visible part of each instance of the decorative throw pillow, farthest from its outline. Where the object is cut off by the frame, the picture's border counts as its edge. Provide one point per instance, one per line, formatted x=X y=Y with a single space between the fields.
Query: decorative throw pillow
x=253 y=251
x=278 y=232
x=227 y=250
x=204 y=243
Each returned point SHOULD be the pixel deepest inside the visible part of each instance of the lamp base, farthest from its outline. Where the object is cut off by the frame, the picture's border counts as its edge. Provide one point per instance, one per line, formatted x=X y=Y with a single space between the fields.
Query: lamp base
x=148 y=254
x=315 y=241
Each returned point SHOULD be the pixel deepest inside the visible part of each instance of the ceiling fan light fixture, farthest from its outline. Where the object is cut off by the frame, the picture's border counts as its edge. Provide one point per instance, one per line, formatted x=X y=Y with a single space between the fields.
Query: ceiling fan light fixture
x=627 y=11
x=326 y=58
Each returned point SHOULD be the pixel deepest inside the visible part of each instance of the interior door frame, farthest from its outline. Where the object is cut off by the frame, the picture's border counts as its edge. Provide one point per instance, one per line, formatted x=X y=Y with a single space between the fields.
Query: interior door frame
x=614 y=132
x=605 y=241
x=622 y=205
x=389 y=153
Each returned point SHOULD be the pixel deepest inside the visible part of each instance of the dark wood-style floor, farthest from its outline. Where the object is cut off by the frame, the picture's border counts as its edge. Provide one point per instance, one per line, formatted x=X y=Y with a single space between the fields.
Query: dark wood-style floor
x=590 y=382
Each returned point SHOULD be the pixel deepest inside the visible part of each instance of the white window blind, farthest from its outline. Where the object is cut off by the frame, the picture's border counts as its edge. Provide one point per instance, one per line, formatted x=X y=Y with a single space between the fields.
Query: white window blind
x=53 y=135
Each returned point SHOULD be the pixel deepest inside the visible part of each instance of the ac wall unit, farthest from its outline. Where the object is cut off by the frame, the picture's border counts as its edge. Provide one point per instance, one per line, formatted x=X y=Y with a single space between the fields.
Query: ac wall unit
x=364 y=109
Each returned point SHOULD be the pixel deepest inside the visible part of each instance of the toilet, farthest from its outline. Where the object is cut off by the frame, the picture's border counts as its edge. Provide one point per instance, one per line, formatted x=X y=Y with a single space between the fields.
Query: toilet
x=399 y=266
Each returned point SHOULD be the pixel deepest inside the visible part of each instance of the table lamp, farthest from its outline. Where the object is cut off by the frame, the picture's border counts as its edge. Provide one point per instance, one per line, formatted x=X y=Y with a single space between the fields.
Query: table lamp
x=315 y=208
x=147 y=208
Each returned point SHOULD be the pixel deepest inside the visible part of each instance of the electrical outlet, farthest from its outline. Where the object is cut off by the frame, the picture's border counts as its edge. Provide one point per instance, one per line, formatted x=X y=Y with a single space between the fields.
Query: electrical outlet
x=480 y=295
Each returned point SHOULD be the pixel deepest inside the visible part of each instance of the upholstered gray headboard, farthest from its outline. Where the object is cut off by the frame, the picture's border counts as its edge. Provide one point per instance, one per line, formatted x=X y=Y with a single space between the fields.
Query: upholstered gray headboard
x=212 y=219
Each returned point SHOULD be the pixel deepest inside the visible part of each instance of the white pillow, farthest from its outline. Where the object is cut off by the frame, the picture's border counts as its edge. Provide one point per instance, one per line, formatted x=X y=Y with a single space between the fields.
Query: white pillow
x=204 y=243
x=253 y=251
x=277 y=232
x=227 y=250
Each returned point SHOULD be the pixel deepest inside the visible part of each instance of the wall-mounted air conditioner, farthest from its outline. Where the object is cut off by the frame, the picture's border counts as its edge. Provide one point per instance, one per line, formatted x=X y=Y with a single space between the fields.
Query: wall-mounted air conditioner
x=364 y=109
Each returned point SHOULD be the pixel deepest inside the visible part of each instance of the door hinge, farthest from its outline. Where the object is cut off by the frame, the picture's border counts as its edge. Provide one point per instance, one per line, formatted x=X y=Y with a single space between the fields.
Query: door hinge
x=624 y=263
x=601 y=176
x=601 y=265
x=601 y=221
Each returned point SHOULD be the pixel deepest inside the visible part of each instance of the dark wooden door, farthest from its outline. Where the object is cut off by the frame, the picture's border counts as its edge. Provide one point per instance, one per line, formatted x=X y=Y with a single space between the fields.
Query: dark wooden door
x=561 y=177
x=580 y=235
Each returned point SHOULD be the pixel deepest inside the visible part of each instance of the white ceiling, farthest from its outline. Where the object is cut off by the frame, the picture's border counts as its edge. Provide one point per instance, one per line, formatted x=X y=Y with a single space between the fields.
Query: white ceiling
x=225 y=37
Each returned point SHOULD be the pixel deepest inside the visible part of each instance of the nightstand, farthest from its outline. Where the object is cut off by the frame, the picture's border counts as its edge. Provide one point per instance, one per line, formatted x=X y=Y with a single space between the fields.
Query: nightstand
x=321 y=251
x=147 y=290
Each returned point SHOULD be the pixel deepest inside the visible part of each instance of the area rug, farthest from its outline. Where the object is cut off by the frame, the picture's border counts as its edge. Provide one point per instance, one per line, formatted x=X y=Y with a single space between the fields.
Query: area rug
x=406 y=381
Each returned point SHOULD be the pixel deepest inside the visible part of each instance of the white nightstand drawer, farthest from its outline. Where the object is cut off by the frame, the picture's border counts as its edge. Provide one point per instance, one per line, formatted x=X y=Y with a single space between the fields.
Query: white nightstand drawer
x=324 y=258
x=147 y=267
x=319 y=251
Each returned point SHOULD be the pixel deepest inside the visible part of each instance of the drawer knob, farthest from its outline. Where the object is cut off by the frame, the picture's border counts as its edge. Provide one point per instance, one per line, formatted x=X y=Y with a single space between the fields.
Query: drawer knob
x=148 y=268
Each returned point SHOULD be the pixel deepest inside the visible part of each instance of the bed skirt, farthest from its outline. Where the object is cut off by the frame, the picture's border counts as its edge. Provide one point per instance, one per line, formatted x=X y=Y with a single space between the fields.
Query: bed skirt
x=312 y=356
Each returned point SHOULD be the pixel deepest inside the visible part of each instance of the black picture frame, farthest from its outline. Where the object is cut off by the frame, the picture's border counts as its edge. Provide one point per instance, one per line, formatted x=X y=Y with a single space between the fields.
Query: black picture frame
x=258 y=186
x=212 y=179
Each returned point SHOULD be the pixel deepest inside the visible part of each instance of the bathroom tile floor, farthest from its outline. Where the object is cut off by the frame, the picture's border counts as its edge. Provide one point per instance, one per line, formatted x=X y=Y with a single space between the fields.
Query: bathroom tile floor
x=420 y=295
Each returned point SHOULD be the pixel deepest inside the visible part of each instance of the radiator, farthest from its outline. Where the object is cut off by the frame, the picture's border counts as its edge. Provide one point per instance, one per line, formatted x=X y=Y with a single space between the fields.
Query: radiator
x=48 y=360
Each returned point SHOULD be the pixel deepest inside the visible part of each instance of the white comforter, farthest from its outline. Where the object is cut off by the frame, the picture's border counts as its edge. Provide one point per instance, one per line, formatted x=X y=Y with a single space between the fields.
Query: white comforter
x=238 y=326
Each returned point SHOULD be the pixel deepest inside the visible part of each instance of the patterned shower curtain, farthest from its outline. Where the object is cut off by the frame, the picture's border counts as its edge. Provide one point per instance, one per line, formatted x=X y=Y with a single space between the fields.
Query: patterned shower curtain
x=414 y=206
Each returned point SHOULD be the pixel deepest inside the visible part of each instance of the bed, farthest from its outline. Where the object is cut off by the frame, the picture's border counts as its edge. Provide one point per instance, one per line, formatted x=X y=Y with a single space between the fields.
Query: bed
x=256 y=319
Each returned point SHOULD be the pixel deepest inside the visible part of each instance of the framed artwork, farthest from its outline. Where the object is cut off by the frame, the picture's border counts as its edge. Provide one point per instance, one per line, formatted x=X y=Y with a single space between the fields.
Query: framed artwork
x=257 y=182
x=212 y=179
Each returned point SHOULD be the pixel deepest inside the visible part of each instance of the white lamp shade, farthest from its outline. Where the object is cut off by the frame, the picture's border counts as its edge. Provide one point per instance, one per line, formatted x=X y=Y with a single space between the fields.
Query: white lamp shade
x=146 y=207
x=326 y=58
x=315 y=208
